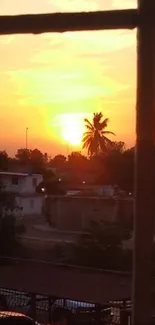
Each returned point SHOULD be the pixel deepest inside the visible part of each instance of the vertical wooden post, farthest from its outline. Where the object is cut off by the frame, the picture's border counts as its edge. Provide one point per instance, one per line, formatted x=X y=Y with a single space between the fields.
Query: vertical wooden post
x=123 y=314
x=49 y=310
x=64 y=303
x=144 y=169
x=33 y=306
x=98 y=314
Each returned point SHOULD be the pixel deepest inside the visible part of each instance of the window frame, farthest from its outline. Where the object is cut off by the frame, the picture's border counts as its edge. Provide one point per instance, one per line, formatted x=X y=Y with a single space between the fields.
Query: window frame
x=143 y=19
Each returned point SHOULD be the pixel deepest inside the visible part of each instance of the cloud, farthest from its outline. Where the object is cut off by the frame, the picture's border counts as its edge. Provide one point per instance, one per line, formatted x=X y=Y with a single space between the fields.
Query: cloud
x=74 y=5
x=91 y=5
x=69 y=48
x=16 y=7
x=42 y=6
x=5 y=40
x=43 y=87
x=100 y=41
x=124 y=4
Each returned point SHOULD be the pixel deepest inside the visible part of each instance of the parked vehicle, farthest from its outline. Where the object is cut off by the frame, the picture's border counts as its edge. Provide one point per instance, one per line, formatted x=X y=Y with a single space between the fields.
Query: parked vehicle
x=13 y=318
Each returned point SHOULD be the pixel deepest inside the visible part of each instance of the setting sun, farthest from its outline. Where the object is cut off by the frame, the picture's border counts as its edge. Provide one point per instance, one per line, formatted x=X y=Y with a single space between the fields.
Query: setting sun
x=73 y=128
x=72 y=135
x=70 y=127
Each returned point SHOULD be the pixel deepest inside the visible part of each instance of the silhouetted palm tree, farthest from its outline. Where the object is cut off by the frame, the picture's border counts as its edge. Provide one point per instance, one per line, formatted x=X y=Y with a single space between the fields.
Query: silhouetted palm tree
x=95 y=138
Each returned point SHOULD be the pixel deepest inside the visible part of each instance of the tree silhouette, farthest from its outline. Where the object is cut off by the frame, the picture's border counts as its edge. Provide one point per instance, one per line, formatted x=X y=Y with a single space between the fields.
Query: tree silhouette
x=117 y=146
x=95 y=138
x=23 y=156
x=102 y=246
x=77 y=161
x=58 y=161
x=3 y=160
x=33 y=160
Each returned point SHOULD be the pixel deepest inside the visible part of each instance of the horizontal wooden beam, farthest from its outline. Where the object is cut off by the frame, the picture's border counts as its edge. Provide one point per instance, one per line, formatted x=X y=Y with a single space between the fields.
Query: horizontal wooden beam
x=63 y=22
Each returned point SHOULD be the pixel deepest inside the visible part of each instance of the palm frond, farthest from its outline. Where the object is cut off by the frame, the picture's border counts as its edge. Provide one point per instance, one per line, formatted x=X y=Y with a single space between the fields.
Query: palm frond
x=88 y=127
x=88 y=123
x=91 y=145
x=98 y=116
x=88 y=132
x=97 y=120
x=107 y=132
x=86 y=137
x=86 y=143
x=104 y=124
x=95 y=138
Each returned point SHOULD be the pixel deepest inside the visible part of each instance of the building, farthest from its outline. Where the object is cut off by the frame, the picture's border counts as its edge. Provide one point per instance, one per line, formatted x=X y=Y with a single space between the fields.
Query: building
x=75 y=213
x=23 y=186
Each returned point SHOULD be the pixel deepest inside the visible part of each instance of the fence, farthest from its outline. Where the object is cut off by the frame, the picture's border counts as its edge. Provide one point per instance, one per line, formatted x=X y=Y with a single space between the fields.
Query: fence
x=82 y=313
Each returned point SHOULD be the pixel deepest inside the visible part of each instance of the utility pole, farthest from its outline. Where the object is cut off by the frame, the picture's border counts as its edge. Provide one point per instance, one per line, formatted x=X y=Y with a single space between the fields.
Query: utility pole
x=142 y=298
x=27 y=138
x=67 y=149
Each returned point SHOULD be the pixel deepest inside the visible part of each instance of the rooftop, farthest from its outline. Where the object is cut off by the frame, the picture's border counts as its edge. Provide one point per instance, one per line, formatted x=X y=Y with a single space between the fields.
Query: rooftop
x=17 y=174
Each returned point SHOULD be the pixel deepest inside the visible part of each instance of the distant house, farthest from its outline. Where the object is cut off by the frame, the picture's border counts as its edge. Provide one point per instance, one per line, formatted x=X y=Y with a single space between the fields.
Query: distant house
x=24 y=186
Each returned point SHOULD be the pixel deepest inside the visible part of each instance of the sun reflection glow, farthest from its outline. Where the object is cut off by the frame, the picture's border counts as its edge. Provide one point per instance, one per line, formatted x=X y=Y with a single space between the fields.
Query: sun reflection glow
x=71 y=127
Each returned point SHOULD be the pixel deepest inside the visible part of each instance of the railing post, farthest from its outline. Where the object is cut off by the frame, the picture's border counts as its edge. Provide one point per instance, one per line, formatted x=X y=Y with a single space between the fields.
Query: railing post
x=123 y=314
x=98 y=314
x=144 y=169
x=33 y=306
x=49 y=310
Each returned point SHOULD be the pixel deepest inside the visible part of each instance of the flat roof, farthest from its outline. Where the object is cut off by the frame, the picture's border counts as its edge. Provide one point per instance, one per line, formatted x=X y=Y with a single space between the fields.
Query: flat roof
x=95 y=197
x=68 y=282
x=17 y=174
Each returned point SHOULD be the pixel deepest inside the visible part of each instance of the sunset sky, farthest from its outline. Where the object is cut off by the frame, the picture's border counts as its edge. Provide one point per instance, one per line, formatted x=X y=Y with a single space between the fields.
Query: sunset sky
x=50 y=82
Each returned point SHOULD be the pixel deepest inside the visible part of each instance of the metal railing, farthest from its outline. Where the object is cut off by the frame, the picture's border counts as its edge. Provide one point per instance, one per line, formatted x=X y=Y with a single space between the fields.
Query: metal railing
x=82 y=312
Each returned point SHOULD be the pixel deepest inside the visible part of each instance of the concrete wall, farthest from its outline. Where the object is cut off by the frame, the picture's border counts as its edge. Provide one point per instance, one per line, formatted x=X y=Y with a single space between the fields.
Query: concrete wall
x=25 y=184
x=30 y=183
x=6 y=181
x=75 y=213
x=31 y=206
x=24 y=188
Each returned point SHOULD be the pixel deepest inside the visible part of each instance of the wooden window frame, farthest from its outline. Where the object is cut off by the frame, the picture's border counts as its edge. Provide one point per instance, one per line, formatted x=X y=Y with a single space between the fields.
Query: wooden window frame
x=143 y=19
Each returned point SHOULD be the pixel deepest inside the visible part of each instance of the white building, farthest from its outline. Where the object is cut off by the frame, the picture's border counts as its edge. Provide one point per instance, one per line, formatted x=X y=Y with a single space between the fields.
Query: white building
x=24 y=187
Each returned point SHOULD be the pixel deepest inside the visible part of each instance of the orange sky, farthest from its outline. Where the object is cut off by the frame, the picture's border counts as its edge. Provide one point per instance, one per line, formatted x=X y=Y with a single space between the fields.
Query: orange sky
x=50 y=82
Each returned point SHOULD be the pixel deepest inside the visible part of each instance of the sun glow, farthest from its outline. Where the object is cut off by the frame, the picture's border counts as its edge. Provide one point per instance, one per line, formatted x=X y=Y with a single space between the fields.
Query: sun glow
x=71 y=127
x=72 y=135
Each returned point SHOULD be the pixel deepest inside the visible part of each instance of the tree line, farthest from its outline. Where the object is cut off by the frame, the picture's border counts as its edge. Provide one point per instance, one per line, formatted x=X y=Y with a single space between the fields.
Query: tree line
x=116 y=167
x=105 y=161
